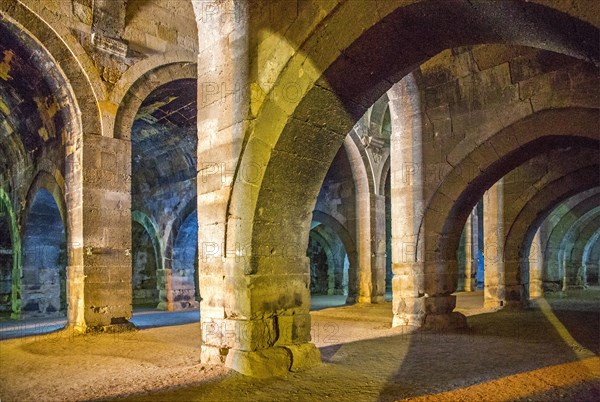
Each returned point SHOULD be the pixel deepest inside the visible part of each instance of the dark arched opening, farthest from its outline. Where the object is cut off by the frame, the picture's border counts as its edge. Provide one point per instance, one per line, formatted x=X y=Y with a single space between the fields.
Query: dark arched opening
x=144 y=265
x=184 y=275
x=43 y=284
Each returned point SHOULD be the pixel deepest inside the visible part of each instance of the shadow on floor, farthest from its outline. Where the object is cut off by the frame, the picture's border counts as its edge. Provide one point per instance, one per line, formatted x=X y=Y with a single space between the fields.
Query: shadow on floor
x=506 y=355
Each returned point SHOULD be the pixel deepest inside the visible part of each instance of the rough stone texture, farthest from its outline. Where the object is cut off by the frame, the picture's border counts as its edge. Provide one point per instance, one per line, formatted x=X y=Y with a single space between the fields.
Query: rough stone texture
x=233 y=112
x=493 y=238
x=106 y=203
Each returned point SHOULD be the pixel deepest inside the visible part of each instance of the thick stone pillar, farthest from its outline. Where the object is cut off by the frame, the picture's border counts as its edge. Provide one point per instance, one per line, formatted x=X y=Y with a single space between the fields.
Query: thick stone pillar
x=422 y=284
x=424 y=280
x=378 y=255
x=493 y=227
x=407 y=203
x=99 y=245
x=254 y=283
x=369 y=285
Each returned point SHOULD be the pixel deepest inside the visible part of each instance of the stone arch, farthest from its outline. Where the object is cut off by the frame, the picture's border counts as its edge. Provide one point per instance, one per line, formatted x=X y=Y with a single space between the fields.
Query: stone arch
x=349 y=246
x=326 y=112
x=462 y=188
x=87 y=113
x=336 y=85
x=80 y=113
x=150 y=228
x=591 y=258
x=518 y=207
x=188 y=209
x=361 y=286
x=588 y=234
x=44 y=264
x=522 y=230
x=362 y=172
x=379 y=110
x=385 y=172
x=551 y=266
x=148 y=77
x=320 y=238
x=15 y=239
x=49 y=182
x=573 y=271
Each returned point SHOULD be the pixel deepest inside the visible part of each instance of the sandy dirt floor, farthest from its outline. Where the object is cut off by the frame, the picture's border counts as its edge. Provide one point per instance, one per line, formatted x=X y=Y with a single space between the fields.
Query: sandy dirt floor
x=546 y=353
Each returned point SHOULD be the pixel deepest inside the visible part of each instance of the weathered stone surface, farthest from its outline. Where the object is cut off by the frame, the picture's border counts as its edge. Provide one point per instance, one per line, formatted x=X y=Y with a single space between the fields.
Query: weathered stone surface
x=193 y=150
x=262 y=363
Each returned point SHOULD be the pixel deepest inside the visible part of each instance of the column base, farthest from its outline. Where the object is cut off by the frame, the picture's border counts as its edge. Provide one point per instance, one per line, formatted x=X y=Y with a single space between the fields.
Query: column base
x=372 y=299
x=444 y=322
x=125 y=326
x=516 y=304
x=493 y=304
x=273 y=362
x=428 y=313
x=553 y=286
x=212 y=354
x=432 y=322
x=176 y=306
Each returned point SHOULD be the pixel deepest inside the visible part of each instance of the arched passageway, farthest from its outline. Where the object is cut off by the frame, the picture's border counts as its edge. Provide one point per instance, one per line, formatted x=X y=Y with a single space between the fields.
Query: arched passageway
x=296 y=140
x=43 y=285
x=10 y=258
x=144 y=283
x=184 y=268
x=328 y=262
x=163 y=138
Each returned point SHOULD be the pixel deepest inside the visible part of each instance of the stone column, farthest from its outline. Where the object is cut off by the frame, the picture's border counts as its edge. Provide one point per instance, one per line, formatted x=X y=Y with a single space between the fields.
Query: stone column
x=470 y=252
x=369 y=285
x=406 y=176
x=378 y=255
x=422 y=284
x=254 y=284
x=99 y=244
x=460 y=260
x=493 y=227
x=536 y=265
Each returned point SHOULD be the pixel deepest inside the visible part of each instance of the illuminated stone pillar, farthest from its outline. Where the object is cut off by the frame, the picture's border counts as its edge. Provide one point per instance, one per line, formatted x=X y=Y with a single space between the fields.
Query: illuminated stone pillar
x=421 y=282
x=99 y=244
x=406 y=176
x=377 y=252
x=493 y=227
x=471 y=239
x=254 y=275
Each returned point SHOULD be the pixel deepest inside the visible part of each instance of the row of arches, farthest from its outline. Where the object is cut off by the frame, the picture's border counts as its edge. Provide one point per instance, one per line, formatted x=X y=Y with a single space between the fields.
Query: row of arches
x=34 y=253
x=34 y=259
x=165 y=277
x=293 y=141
